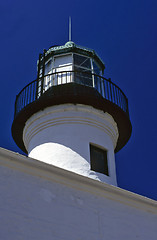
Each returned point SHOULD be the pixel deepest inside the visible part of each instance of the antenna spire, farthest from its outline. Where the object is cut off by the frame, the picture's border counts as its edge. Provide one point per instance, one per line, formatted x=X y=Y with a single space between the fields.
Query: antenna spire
x=69 y=28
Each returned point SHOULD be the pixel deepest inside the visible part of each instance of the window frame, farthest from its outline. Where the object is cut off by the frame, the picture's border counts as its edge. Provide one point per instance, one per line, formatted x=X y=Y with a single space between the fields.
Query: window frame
x=96 y=167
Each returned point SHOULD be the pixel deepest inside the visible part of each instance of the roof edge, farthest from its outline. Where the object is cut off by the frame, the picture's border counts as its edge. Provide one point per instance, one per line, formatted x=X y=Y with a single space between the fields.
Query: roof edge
x=68 y=46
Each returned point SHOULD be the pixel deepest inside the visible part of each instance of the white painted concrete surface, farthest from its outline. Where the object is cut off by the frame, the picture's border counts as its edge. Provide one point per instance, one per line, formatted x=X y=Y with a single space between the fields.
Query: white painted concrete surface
x=42 y=202
x=61 y=135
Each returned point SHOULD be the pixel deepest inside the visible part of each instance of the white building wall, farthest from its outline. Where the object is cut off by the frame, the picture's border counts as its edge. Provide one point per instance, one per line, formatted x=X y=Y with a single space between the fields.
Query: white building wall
x=39 y=203
x=61 y=136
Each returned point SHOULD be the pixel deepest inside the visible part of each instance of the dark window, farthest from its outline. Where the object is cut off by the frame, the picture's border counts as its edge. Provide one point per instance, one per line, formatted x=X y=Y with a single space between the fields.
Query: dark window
x=98 y=158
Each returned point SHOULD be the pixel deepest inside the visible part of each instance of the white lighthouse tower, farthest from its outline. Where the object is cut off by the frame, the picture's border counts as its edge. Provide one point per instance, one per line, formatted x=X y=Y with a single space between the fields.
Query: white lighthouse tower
x=71 y=116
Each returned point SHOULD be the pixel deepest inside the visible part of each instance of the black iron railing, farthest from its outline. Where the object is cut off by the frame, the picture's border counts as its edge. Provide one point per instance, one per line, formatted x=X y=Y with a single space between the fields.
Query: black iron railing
x=38 y=87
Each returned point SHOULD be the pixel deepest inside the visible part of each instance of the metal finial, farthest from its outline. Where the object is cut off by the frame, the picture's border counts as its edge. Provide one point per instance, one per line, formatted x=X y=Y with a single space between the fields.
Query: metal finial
x=69 y=28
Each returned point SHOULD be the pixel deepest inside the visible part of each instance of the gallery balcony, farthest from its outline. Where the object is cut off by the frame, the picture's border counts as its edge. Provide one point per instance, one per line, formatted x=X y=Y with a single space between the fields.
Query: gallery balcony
x=76 y=87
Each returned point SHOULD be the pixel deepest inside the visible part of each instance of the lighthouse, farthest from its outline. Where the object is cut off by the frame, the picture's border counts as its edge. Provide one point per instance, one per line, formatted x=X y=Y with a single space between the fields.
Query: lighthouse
x=71 y=116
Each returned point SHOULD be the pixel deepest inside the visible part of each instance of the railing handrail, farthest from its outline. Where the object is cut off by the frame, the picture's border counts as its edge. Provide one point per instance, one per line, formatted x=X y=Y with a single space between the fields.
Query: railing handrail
x=101 y=79
x=93 y=74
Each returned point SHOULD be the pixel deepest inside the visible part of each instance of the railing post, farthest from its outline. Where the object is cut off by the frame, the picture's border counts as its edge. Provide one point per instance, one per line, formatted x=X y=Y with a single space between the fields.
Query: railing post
x=43 y=72
x=93 y=80
x=110 y=89
x=38 y=76
x=39 y=66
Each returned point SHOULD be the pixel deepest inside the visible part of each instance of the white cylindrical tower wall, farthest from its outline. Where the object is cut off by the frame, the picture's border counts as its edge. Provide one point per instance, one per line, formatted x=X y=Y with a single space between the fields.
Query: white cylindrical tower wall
x=61 y=135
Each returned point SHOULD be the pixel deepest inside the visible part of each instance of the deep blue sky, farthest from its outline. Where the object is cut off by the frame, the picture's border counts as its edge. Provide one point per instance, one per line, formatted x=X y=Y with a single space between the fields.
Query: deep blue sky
x=123 y=33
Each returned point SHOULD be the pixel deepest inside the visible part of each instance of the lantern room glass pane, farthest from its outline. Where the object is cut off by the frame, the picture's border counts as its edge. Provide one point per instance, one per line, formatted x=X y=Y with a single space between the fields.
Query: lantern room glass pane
x=96 y=68
x=63 y=68
x=48 y=67
x=82 y=61
x=83 y=71
x=83 y=76
x=62 y=61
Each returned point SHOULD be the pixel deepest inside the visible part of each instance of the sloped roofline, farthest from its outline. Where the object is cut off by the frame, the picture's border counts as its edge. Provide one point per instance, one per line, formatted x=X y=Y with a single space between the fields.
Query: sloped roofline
x=21 y=163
